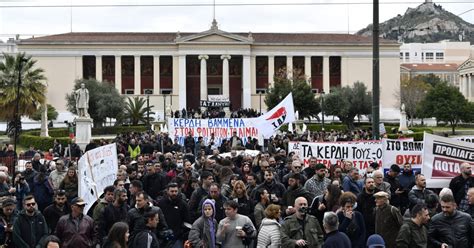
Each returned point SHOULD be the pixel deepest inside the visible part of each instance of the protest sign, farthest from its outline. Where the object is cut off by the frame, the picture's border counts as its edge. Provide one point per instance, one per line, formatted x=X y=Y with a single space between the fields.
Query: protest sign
x=402 y=151
x=360 y=153
x=442 y=159
x=97 y=170
x=469 y=139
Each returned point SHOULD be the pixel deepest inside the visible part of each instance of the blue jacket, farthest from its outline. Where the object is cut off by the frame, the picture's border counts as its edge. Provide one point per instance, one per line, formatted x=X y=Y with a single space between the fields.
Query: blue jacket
x=349 y=185
x=337 y=239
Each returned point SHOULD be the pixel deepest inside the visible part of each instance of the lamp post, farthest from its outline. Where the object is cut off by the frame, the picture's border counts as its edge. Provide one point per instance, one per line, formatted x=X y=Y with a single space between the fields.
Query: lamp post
x=322 y=110
x=17 y=114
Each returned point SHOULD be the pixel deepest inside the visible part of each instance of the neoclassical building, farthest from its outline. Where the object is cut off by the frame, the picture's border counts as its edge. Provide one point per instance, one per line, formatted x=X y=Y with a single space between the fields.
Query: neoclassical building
x=183 y=68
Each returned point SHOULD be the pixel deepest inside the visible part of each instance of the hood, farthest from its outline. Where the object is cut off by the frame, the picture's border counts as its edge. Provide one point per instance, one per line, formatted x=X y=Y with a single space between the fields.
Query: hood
x=210 y=202
x=269 y=222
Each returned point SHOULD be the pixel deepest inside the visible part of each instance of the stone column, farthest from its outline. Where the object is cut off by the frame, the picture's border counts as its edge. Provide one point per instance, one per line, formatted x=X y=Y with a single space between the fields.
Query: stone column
x=98 y=68
x=466 y=87
x=246 y=94
x=289 y=67
x=307 y=68
x=182 y=82
x=156 y=74
x=271 y=70
x=137 y=79
x=469 y=87
x=225 y=75
x=203 y=76
x=326 y=85
x=118 y=73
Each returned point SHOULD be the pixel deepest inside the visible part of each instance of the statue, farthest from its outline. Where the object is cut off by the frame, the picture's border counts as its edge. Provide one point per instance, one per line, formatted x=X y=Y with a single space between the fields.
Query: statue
x=403 y=119
x=82 y=101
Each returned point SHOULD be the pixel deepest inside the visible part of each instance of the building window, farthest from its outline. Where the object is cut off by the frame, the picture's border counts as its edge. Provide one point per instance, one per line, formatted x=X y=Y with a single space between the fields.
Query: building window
x=439 y=56
x=401 y=56
x=407 y=56
x=429 y=56
x=88 y=65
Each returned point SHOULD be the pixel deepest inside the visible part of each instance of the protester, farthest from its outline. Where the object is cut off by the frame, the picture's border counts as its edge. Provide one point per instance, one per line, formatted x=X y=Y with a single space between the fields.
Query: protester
x=334 y=238
x=388 y=219
x=30 y=227
x=351 y=221
x=118 y=236
x=203 y=231
x=235 y=230
x=56 y=210
x=460 y=185
x=269 y=231
x=413 y=232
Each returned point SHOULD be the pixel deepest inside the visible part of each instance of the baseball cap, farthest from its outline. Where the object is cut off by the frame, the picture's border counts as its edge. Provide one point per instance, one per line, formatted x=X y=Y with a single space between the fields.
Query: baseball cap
x=78 y=201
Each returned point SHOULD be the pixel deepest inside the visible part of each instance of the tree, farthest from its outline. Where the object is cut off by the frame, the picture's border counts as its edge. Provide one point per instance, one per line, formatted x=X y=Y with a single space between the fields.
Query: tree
x=52 y=113
x=104 y=101
x=446 y=103
x=412 y=92
x=303 y=98
x=136 y=111
x=348 y=102
x=32 y=89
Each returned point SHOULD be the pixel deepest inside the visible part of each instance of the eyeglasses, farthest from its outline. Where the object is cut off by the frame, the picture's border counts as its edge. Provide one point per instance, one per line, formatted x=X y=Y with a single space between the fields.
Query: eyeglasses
x=31 y=204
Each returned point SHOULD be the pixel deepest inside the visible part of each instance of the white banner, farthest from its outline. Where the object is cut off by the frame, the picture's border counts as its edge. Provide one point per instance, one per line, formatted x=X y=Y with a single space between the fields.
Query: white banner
x=402 y=151
x=442 y=158
x=282 y=113
x=465 y=138
x=360 y=153
x=97 y=170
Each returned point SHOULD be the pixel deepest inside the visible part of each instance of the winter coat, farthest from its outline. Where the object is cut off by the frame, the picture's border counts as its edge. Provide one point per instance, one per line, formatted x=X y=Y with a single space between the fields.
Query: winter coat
x=290 y=196
x=336 y=239
x=366 y=206
x=219 y=206
x=200 y=234
x=388 y=221
x=417 y=195
x=457 y=186
x=6 y=236
x=412 y=235
x=146 y=238
x=43 y=192
x=52 y=214
x=154 y=184
x=28 y=231
x=136 y=221
x=111 y=215
x=82 y=236
x=354 y=228
x=70 y=187
x=259 y=213
x=291 y=231
x=348 y=184
x=455 y=230
x=269 y=234
x=176 y=213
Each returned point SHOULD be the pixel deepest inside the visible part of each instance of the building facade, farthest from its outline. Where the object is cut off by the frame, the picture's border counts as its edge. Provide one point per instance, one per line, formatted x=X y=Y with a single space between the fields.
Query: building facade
x=176 y=70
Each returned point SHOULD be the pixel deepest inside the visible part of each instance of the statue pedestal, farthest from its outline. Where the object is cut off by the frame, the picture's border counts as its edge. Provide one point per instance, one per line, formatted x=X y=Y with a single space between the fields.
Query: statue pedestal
x=83 y=131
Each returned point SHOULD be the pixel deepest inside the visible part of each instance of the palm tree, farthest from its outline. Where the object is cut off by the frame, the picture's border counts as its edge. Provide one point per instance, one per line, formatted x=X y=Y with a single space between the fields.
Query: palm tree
x=136 y=111
x=32 y=89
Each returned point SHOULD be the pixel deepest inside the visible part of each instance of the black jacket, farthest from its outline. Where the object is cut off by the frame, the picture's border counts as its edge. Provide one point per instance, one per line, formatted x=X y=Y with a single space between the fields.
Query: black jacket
x=52 y=214
x=455 y=230
x=28 y=231
x=176 y=213
x=144 y=238
x=457 y=186
x=412 y=235
x=154 y=184
x=111 y=215
x=366 y=205
x=136 y=220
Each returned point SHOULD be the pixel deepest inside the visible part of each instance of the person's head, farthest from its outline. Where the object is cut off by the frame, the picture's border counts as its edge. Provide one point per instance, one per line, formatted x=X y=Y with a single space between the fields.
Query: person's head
x=119 y=184
x=141 y=199
x=120 y=196
x=312 y=162
x=394 y=170
x=152 y=218
x=8 y=206
x=52 y=241
x=214 y=191
x=231 y=208
x=172 y=191
x=264 y=165
x=119 y=233
x=320 y=170
x=296 y=166
x=188 y=166
x=445 y=191
x=239 y=189
x=466 y=169
x=354 y=173
x=263 y=195
x=407 y=168
x=207 y=179
x=375 y=241
x=29 y=204
x=60 y=198
x=378 y=177
x=420 y=214
x=269 y=175
x=448 y=205
x=330 y=222
x=208 y=208
x=470 y=196
x=135 y=187
x=381 y=198
x=347 y=201
x=273 y=212
x=150 y=169
x=294 y=181
x=301 y=206
x=83 y=85
x=420 y=181
x=369 y=184
x=28 y=166
x=71 y=172
x=60 y=165
x=251 y=179
x=77 y=206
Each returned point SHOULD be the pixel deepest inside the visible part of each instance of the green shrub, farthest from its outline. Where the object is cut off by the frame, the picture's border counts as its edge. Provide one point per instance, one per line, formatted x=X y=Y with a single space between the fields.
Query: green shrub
x=117 y=129
x=41 y=143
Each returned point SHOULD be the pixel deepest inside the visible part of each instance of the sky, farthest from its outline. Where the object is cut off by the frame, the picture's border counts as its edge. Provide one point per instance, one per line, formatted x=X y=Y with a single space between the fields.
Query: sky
x=30 y=17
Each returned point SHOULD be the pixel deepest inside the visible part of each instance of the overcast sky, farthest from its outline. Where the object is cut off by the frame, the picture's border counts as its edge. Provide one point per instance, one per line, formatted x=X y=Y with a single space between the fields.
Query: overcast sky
x=342 y=16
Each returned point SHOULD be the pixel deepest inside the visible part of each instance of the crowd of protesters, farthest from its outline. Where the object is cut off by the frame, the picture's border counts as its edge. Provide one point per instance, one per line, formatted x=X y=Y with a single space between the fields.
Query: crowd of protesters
x=190 y=195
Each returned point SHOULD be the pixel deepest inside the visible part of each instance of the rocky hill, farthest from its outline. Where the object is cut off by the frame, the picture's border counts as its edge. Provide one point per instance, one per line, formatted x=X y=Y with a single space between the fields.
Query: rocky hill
x=428 y=22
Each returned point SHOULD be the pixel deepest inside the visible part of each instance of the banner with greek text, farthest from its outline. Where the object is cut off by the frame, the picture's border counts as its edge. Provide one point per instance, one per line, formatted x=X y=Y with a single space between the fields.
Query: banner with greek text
x=212 y=130
x=442 y=159
x=271 y=121
x=402 y=151
x=469 y=138
x=97 y=170
x=360 y=153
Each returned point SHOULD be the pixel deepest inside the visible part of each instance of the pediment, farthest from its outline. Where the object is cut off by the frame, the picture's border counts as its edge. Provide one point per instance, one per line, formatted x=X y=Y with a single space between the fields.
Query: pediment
x=468 y=64
x=214 y=36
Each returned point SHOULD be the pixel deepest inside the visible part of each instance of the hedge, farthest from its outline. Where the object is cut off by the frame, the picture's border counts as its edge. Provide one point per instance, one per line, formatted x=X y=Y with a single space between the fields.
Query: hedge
x=41 y=143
